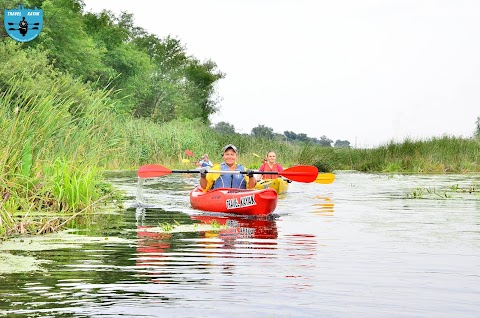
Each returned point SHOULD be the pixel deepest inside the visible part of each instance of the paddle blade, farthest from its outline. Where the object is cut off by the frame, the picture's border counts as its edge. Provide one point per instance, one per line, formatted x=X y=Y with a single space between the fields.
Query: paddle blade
x=325 y=178
x=189 y=153
x=185 y=161
x=152 y=171
x=256 y=155
x=304 y=174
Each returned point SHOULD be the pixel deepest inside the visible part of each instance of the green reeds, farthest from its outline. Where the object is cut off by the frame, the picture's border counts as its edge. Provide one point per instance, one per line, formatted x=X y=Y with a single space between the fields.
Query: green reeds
x=55 y=133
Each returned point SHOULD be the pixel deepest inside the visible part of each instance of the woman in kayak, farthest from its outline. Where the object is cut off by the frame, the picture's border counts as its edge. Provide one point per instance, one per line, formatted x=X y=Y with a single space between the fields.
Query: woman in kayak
x=210 y=181
x=271 y=166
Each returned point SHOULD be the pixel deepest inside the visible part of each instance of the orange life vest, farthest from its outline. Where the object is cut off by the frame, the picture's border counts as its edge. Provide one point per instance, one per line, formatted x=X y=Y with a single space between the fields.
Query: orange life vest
x=267 y=168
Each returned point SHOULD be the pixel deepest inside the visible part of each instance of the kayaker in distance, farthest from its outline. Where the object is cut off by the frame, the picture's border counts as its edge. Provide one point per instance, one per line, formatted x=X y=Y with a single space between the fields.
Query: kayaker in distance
x=205 y=162
x=210 y=181
x=271 y=165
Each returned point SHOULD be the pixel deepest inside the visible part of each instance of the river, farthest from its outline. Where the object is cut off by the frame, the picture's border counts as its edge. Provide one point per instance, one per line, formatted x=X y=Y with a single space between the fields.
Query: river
x=367 y=245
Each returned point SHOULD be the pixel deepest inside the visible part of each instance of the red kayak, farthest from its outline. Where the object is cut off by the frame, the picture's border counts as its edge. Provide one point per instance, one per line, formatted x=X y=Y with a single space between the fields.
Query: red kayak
x=235 y=201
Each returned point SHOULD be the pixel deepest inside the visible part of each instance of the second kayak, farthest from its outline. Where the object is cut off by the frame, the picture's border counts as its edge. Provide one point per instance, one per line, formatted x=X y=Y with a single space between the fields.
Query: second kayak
x=280 y=185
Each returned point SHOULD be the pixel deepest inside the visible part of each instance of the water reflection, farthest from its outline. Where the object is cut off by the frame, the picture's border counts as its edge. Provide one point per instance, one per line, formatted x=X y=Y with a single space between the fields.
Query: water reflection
x=187 y=249
x=239 y=227
x=325 y=207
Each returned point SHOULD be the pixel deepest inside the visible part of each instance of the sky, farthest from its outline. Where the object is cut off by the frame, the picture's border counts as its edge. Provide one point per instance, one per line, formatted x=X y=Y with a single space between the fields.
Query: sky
x=370 y=71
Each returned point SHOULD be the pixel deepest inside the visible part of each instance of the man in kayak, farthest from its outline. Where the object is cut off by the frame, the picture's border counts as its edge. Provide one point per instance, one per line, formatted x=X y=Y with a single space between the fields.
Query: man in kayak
x=271 y=166
x=210 y=181
x=205 y=162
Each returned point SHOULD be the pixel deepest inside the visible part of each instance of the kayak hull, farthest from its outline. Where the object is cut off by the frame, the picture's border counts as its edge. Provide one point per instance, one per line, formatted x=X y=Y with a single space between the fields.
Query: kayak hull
x=235 y=201
x=279 y=185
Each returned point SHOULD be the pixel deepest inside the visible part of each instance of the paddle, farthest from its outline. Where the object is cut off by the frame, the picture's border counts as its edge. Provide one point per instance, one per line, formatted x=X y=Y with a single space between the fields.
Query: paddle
x=190 y=154
x=325 y=178
x=304 y=174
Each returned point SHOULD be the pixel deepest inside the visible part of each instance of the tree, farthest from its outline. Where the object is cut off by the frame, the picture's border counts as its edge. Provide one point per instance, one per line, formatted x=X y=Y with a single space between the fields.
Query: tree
x=325 y=142
x=303 y=137
x=128 y=68
x=224 y=128
x=342 y=144
x=290 y=135
x=67 y=44
x=200 y=88
x=263 y=131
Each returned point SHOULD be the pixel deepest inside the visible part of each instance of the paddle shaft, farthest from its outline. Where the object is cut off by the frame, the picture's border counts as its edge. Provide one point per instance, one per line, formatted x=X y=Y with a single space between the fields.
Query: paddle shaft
x=296 y=173
x=230 y=172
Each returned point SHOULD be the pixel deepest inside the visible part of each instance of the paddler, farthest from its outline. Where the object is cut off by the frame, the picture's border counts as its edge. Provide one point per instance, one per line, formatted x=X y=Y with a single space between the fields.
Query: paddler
x=271 y=166
x=210 y=181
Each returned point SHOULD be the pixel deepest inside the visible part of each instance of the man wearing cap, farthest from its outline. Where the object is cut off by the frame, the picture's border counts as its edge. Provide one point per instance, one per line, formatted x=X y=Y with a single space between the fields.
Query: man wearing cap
x=205 y=162
x=210 y=181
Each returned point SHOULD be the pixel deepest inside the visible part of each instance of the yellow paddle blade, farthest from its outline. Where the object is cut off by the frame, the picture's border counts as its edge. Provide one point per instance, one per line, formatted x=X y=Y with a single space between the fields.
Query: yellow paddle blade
x=185 y=161
x=325 y=178
x=256 y=155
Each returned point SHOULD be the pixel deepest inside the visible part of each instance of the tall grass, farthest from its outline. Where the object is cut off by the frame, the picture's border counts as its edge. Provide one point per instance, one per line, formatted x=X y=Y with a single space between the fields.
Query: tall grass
x=55 y=134
x=146 y=142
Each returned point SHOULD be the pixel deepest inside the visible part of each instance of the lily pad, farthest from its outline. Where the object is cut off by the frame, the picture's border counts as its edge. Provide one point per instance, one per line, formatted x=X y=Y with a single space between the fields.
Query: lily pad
x=10 y=264
x=54 y=241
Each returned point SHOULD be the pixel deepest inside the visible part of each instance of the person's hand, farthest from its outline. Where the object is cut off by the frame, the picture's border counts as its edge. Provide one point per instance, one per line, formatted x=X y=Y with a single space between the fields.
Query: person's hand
x=250 y=173
x=203 y=172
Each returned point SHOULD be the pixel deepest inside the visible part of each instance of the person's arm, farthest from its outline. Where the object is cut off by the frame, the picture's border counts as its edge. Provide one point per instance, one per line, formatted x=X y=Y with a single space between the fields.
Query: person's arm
x=262 y=168
x=280 y=169
x=203 y=178
x=251 y=182
x=209 y=178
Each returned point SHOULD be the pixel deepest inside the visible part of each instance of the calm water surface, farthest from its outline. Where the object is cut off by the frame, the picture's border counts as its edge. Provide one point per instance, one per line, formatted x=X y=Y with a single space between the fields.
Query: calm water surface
x=355 y=248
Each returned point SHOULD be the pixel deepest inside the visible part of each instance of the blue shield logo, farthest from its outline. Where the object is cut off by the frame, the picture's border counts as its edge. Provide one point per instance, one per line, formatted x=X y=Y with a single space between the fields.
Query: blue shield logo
x=22 y=24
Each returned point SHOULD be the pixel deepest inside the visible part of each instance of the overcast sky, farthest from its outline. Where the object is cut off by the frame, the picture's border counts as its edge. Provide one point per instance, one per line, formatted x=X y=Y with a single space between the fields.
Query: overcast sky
x=367 y=71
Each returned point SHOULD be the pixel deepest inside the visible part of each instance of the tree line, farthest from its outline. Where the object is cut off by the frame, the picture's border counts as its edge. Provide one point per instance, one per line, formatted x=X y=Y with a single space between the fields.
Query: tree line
x=268 y=133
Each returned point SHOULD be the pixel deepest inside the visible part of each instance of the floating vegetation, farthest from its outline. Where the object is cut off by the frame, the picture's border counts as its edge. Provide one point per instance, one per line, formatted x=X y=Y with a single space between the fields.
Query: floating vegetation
x=19 y=264
x=10 y=263
x=470 y=189
x=416 y=193
x=166 y=227
x=421 y=193
x=59 y=240
x=215 y=224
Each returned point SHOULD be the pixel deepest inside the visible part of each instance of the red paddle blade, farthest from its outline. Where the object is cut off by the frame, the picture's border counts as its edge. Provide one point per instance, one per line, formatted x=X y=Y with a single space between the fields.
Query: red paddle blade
x=305 y=174
x=189 y=153
x=152 y=171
